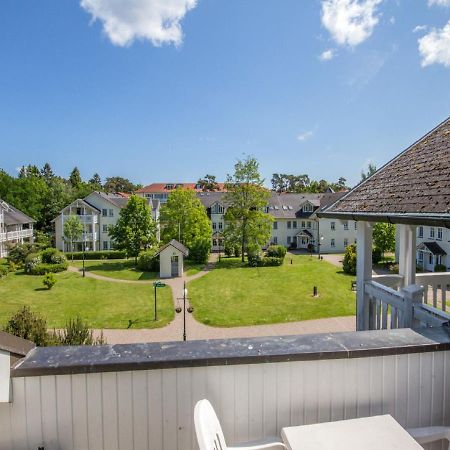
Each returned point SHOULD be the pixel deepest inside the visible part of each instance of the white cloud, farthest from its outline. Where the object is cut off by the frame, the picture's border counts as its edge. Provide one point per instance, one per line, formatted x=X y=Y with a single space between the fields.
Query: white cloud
x=350 y=22
x=439 y=2
x=434 y=47
x=420 y=28
x=327 y=55
x=392 y=20
x=125 y=21
x=302 y=137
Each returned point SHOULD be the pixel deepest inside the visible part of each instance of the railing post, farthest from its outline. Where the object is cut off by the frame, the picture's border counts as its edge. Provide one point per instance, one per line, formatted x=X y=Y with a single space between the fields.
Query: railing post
x=407 y=256
x=363 y=274
x=413 y=295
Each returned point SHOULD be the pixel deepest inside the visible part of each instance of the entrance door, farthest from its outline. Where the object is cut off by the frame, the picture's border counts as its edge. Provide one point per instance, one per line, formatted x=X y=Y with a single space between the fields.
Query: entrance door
x=174 y=266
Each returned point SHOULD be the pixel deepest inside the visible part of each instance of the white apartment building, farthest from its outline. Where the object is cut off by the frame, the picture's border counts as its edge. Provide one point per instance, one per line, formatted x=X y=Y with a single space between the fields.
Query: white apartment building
x=97 y=212
x=15 y=227
x=433 y=247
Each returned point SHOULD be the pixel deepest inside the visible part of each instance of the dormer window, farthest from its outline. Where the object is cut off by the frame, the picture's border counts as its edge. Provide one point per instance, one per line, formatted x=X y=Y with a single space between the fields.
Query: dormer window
x=169 y=187
x=217 y=209
x=308 y=207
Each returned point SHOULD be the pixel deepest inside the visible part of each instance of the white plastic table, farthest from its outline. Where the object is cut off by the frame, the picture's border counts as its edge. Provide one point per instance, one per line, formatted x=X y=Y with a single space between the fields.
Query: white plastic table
x=369 y=433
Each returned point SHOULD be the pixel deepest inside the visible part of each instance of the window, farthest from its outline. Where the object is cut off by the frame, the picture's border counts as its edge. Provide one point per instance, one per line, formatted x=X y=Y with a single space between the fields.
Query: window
x=439 y=234
x=356 y=225
x=289 y=224
x=430 y=260
x=275 y=225
x=105 y=228
x=217 y=209
x=275 y=240
x=111 y=213
x=289 y=240
x=308 y=207
x=308 y=224
x=214 y=225
x=303 y=224
x=345 y=243
x=432 y=232
x=214 y=242
x=294 y=224
x=345 y=223
x=104 y=212
x=80 y=212
x=333 y=225
x=105 y=245
x=420 y=257
x=421 y=236
x=220 y=225
x=333 y=243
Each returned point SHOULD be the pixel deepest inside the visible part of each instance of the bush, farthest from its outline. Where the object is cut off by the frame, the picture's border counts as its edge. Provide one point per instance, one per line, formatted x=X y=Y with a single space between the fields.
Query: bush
x=3 y=271
x=49 y=280
x=440 y=268
x=277 y=251
x=377 y=254
x=32 y=261
x=77 y=332
x=199 y=251
x=18 y=253
x=53 y=256
x=12 y=267
x=147 y=261
x=349 y=262
x=43 y=268
x=270 y=261
x=28 y=325
x=106 y=254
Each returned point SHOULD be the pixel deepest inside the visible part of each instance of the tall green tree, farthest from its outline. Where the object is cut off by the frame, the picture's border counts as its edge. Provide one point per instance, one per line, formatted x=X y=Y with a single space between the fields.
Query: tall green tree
x=208 y=183
x=96 y=181
x=135 y=229
x=75 y=177
x=384 y=237
x=47 y=173
x=184 y=218
x=247 y=199
x=119 y=184
x=72 y=230
x=371 y=169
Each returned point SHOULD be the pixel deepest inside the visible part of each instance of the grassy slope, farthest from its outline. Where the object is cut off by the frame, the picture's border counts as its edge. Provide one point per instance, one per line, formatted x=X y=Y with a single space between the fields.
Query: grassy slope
x=101 y=303
x=232 y=295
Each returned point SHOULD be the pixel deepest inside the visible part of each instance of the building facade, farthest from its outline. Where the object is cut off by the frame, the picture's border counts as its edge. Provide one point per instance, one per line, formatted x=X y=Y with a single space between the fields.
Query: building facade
x=433 y=247
x=97 y=213
x=15 y=227
x=161 y=191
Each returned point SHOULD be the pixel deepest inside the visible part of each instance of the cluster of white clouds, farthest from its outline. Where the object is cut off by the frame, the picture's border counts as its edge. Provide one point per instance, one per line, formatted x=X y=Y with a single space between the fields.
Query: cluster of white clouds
x=125 y=21
x=302 y=137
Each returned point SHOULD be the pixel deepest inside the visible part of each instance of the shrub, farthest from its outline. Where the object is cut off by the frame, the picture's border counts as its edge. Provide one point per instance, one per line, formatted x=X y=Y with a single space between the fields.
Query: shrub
x=32 y=261
x=53 y=256
x=228 y=249
x=237 y=251
x=377 y=254
x=18 y=252
x=49 y=280
x=106 y=254
x=12 y=267
x=199 y=251
x=277 y=251
x=43 y=268
x=147 y=261
x=270 y=261
x=77 y=332
x=440 y=268
x=349 y=262
x=28 y=325
x=3 y=271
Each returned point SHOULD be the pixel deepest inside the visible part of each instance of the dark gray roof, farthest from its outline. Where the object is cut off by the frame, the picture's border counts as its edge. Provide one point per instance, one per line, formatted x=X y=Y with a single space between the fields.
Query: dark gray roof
x=412 y=188
x=209 y=198
x=116 y=199
x=174 y=243
x=13 y=216
x=287 y=205
x=16 y=345
x=433 y=247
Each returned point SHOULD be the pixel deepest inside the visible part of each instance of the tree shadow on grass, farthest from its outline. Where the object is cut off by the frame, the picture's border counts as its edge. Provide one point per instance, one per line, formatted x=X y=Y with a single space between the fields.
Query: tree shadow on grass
x=41 y=289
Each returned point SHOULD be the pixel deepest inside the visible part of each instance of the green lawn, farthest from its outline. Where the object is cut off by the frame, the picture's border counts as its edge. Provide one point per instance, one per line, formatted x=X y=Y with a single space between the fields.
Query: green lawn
x=235 y=295
x=101 y=303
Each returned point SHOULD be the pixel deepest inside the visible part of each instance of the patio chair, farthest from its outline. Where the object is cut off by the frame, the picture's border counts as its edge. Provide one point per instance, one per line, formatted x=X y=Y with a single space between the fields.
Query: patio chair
x=210 y=435
x=427 y=435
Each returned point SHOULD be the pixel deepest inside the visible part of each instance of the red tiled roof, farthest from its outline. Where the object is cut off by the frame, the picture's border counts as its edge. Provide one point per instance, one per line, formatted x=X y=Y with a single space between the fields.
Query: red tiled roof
x=162 y=187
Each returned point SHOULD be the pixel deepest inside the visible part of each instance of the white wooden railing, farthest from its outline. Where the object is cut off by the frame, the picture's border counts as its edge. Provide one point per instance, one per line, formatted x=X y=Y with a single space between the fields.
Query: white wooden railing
x=13 y=235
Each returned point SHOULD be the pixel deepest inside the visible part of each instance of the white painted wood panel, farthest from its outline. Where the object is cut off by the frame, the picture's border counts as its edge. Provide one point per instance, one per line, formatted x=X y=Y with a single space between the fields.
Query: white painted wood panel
x=154 y=409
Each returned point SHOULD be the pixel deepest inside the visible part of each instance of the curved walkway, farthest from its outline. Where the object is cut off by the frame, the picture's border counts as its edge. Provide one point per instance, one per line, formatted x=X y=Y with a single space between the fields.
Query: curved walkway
x=196 y=330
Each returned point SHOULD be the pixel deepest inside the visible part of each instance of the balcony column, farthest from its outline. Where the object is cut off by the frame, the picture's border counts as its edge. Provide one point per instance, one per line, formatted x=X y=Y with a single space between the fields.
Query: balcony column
x=363 y=273
x=407 y=253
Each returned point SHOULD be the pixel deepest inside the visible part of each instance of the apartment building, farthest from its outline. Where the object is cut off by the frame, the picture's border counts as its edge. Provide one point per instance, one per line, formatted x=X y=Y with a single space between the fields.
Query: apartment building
x=97 y=212
x=433 y=247
x=15 y=227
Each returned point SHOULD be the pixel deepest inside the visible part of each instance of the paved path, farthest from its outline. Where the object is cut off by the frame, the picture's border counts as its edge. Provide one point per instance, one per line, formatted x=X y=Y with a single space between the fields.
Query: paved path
x=196 y=330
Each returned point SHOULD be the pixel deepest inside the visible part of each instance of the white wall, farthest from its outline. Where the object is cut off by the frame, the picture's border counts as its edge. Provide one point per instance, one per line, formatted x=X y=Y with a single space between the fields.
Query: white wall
x=444 y=243
x=153 y=409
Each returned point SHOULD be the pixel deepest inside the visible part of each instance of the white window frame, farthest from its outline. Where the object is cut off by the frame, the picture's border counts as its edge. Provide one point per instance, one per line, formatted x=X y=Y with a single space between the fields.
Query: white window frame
x=333 y=226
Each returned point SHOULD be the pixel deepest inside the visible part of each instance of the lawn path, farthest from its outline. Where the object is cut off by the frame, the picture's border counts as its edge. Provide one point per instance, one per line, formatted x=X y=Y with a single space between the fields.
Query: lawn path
x=196 y=330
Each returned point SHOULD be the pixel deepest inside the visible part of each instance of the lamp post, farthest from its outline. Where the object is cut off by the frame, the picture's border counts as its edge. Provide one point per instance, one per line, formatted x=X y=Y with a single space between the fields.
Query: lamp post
x=156 y=285
x=318 y=246
x=189 y=309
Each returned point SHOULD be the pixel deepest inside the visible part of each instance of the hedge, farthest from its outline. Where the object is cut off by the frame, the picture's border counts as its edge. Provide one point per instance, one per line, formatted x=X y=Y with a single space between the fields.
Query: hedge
x=3 y=271
x=270 y=261
x=106 y=254
x=44 y=268
x=277 y=251
x=440 y=268
x=147 y=261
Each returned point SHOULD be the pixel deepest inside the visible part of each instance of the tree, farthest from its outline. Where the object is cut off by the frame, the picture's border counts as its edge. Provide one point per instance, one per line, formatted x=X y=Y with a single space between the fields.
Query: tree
x=96 y=181
x=119 y=184
x=184 y=218
x=208 y=183
x=47 y=173
x=349 y=261
x=72 y=230
x=135 y=228
x=384 y=237
x=247 y=198
x=371 y=169
x=75 y=177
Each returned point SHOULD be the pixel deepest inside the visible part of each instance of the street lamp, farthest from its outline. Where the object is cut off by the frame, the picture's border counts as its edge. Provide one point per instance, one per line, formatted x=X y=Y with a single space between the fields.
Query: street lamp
x=189 y=309
x=156 y=285
x=319 y=244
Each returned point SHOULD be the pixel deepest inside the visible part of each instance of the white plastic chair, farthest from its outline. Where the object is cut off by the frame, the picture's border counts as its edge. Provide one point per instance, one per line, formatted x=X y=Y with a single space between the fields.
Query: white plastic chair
x=210 y=435
x=427 y=435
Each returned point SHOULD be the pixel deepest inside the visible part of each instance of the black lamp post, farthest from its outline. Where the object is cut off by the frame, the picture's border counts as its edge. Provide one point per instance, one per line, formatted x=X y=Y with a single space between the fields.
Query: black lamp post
x=189 y=309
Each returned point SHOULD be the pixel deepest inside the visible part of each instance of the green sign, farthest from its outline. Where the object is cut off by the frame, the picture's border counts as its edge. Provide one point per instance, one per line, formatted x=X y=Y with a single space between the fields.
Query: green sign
x=159 y=284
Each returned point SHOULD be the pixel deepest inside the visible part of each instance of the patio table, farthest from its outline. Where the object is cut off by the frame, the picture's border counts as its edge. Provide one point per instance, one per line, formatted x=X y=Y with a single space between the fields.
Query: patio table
x=369 y=433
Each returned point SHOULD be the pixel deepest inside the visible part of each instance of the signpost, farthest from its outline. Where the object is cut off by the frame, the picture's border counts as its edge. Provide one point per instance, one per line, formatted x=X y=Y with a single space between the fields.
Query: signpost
x=156 y=285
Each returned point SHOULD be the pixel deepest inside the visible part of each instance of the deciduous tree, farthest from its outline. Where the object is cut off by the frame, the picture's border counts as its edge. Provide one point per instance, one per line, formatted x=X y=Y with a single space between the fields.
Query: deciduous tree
x=384 y=237
x=72 y=230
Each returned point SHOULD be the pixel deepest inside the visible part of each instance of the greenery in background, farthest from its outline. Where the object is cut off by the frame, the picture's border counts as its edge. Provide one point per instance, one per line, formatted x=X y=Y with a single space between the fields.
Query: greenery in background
x=147 y=261
x=208 y=183
x=254 y=296
x=371 y=169
x=383 y=238
x=282 y=182
x=349 y=261
x=101 y=254
x=135 y=229
x=72 y=230
x=77 y=332
x=184 y=218
x=247 y=224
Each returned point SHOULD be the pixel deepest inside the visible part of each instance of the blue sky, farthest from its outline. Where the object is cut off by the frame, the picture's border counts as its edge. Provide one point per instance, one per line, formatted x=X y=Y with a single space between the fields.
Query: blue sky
x=169 y=90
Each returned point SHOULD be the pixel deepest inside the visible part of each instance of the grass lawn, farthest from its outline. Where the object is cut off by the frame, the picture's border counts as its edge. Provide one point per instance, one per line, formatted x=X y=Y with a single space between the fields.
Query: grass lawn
x=101 y=304
x=235 y=295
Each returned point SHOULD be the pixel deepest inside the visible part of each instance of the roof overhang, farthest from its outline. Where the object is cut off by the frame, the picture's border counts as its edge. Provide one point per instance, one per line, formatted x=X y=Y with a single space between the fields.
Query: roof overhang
x=442 y=220
x=432 y=247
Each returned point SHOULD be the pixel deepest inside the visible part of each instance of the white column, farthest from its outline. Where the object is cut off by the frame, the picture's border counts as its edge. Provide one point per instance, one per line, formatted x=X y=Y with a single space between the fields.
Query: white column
x=407 y=254
x=363 y=273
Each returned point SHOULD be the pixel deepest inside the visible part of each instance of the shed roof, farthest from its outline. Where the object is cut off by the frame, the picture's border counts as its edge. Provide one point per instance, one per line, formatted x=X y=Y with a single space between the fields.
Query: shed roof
x=175 y=244
x=413 y=188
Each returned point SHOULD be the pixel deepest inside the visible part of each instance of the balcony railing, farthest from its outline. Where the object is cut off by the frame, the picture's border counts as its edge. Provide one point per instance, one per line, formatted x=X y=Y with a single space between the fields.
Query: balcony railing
x=143 y=396
x=15 y=235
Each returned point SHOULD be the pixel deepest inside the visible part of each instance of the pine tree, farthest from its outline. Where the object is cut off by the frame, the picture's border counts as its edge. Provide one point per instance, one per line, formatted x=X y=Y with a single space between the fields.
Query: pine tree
x=75 y=177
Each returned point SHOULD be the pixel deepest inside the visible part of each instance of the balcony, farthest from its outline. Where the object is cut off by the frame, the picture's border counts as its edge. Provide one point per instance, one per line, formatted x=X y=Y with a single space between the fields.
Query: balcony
x=16 y=235
x=143 y=396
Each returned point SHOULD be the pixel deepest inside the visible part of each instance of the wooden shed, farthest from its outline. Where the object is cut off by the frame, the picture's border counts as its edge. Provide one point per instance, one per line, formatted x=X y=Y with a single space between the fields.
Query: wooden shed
x=171 y=258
